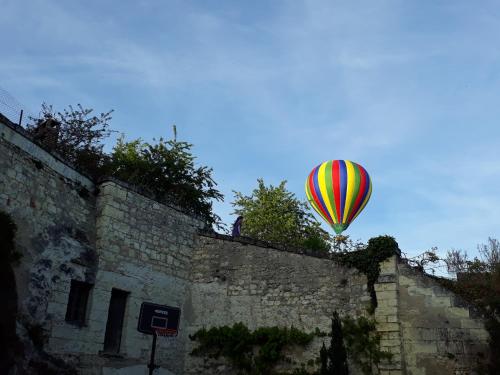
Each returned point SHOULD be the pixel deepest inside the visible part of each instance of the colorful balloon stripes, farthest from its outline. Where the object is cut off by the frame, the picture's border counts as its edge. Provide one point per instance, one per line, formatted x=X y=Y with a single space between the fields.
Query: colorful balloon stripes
x=338 y=190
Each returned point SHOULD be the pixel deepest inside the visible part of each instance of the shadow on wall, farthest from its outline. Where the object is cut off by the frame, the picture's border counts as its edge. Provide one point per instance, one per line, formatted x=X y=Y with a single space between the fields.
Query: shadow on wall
x=8 y=312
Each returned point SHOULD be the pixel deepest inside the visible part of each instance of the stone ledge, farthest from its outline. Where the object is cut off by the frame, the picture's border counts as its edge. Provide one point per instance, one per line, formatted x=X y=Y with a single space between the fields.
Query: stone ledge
x=143 y=192
x=17 y=136
x=264 y=244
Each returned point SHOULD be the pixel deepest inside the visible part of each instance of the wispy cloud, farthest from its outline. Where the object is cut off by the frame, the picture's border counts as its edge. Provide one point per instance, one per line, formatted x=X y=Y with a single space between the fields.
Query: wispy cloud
x=270 y=89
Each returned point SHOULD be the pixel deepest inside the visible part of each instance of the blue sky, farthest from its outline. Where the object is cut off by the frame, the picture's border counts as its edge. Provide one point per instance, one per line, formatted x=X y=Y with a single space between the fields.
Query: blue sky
x=408 y=89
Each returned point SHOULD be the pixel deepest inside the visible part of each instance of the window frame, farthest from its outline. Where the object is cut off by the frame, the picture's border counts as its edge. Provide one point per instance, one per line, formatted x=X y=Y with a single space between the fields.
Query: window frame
x=78 y=303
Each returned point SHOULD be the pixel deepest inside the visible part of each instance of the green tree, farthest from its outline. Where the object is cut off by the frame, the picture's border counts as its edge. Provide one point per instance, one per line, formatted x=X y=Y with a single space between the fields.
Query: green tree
x=75 y=134
x=334 y=359
x=167 y=170
x=274 y=214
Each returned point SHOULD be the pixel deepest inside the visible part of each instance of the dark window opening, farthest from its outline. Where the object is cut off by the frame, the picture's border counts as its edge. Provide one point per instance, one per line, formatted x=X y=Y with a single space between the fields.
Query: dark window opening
x=77 y=302
x=114 y=325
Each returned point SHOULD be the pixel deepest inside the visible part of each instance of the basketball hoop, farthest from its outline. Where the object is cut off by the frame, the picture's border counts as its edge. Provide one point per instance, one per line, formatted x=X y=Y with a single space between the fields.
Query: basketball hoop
x=165 y=332
x=165 y=336
x=160 y=321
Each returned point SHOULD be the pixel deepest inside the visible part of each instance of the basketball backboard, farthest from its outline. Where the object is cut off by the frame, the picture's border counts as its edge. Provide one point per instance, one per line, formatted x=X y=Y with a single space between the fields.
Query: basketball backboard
x=158 y=317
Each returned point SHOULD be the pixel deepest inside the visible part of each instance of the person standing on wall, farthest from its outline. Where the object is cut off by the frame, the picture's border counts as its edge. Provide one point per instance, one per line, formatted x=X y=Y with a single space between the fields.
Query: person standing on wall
x=237 y=227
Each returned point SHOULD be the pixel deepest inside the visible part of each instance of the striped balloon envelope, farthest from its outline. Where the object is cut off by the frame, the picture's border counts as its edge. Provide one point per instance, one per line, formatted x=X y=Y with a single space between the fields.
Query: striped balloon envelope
x=338 y=190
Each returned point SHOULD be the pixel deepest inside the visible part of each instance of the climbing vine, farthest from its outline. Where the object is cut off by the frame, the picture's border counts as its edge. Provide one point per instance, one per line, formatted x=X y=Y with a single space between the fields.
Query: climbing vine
x=363 y=343
x=368 y=261
x=254 y=352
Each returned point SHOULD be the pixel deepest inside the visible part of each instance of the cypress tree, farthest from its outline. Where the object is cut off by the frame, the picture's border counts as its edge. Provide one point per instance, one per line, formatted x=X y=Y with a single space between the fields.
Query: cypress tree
x=323 y=357
x=337 y=353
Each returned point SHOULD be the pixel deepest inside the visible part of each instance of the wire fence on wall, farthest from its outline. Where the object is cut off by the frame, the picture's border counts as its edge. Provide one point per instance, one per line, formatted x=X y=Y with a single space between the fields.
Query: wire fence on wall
x=13 y=110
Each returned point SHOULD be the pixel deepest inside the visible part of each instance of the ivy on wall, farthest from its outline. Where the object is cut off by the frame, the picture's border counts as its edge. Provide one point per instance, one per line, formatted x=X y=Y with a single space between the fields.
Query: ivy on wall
x=250 y=352
x=259 y=351
x=368 y=261
x=363 y=343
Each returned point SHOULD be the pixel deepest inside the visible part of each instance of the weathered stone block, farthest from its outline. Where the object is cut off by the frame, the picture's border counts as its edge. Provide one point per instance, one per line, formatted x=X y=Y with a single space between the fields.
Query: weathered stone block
x=382 y=327
x=385 y=287
x=470 y=323
x=386 y=295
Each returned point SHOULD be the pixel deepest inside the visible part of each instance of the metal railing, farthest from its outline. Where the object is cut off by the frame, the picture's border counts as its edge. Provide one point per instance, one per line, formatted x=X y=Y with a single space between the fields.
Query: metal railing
x=12 y=109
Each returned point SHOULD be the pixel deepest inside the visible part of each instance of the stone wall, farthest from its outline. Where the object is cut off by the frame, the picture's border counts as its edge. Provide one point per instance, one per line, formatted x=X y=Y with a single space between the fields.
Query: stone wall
x=237 y=282
x=387 y=316
x=441 y=334
x=428 y=329
x=146 y=249
x=107 y=235
x=54 y=211
x=112 y=237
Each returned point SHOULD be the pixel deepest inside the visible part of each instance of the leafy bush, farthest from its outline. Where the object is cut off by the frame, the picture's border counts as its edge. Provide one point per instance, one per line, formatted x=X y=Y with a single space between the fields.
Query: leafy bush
x=166 y=169
x=254 y=352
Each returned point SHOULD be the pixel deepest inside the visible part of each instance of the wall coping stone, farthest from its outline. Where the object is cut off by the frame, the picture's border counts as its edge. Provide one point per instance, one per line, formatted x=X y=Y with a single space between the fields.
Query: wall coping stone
x=138 y=190
x=271 y=245
x=264 y=244
x=47 y=154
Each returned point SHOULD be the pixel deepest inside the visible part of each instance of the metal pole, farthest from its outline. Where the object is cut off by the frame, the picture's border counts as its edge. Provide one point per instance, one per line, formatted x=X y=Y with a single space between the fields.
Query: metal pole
x=20 y=117
x=151 y=365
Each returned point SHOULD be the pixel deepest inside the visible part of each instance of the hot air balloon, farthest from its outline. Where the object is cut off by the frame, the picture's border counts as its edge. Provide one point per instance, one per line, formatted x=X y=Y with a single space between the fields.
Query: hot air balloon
x=338 y=190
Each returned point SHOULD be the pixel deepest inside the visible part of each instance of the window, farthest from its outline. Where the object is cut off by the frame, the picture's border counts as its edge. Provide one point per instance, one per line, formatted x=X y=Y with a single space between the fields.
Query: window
x=77 y=302
x=114 y=325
